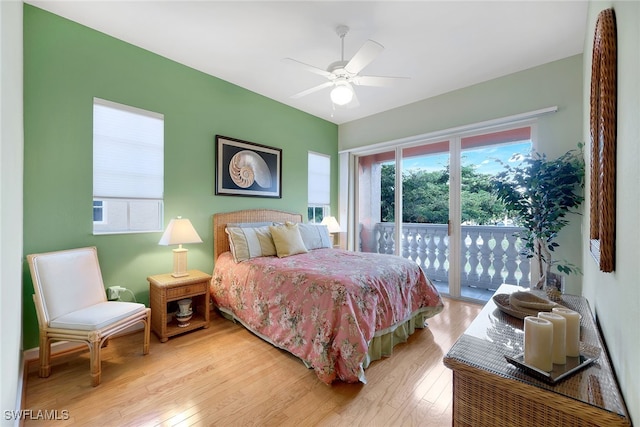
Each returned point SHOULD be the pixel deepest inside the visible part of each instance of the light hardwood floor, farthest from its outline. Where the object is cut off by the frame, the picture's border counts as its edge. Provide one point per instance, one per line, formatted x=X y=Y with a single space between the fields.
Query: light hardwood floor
x=226 y=376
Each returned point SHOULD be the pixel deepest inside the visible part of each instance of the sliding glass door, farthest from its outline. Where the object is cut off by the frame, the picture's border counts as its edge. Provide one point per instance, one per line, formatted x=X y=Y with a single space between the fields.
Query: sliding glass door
x=489 y=249
x=425 y=209
x=433 y=203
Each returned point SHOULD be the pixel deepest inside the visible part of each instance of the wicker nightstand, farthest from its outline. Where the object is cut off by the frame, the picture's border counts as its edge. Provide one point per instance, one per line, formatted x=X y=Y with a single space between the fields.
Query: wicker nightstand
x=164 y=288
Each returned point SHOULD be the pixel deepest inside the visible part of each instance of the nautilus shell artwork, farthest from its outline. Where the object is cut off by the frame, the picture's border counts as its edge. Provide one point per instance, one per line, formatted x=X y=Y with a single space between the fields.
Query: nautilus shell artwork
x=247 y=167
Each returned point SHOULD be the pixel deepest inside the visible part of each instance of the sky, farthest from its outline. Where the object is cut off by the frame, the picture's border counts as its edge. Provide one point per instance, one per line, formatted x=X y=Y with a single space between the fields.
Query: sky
x=483 y=158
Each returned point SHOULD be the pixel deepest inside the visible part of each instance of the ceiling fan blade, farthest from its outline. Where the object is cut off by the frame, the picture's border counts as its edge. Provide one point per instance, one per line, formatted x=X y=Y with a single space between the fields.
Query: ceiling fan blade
x=308 y=67
x=312 y=90
x=363 y=57
x=377 y=80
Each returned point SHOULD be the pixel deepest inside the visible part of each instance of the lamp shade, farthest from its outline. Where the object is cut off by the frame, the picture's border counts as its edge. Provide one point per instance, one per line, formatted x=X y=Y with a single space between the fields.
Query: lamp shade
x=332 y=224
x=178 y=232
x=342 y=93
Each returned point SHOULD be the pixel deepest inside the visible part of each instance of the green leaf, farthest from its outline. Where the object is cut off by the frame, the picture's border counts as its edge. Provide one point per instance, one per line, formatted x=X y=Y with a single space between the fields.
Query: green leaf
x=540 y=192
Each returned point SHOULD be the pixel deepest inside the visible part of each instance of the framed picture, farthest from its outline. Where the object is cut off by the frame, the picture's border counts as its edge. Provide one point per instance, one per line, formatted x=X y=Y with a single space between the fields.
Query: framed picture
x=247 y=169
x=603 y=129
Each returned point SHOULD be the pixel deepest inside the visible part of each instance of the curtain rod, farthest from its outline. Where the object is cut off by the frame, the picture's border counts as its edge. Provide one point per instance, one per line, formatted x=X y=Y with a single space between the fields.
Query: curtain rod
x=455 y=130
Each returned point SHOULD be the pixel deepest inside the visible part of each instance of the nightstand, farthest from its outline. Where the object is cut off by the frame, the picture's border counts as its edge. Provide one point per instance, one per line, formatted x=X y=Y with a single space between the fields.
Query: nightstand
x=164 y=288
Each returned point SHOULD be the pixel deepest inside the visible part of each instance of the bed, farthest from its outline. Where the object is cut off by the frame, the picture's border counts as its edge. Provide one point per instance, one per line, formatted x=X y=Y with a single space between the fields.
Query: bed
x=335 y=310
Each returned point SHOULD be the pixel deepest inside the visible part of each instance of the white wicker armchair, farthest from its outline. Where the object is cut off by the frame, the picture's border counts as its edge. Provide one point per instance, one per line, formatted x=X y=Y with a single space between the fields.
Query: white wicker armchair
x=71 y=305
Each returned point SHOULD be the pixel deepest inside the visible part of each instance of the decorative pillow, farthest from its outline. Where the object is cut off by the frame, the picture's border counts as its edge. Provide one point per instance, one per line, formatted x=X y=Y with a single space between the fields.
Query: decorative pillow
x=250 y=242
x=287 y=239
x=315 y=236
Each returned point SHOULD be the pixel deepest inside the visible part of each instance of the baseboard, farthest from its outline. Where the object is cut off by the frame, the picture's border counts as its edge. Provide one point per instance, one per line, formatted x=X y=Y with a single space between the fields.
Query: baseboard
x=57 y=348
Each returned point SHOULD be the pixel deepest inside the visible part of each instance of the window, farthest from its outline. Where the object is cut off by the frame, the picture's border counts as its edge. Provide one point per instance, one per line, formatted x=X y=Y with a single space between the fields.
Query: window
x=319 y=187
x=98 y=212
x=128 y=169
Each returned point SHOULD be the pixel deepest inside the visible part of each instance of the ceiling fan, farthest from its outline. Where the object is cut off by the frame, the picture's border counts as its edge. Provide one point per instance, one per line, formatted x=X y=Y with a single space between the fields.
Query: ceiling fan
x=343 y=74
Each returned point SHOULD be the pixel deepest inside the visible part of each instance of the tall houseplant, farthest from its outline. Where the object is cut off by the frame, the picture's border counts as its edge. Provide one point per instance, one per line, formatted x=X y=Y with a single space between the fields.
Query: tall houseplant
x=538 y=193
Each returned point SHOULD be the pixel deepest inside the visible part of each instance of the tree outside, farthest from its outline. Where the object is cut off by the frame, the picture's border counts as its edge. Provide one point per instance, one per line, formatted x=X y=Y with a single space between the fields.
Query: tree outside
x=426 y=196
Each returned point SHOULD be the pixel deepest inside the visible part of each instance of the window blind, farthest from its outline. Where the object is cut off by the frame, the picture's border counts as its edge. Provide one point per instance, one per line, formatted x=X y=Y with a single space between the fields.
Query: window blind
x=319 y=187
x=128 y=152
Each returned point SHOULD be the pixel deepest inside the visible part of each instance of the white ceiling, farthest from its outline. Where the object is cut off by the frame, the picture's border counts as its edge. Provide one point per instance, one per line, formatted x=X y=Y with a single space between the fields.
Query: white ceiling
x=440 y=45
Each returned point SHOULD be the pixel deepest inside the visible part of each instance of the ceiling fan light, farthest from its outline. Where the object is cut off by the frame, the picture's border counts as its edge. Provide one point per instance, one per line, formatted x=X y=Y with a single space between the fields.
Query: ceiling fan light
x=342 y=94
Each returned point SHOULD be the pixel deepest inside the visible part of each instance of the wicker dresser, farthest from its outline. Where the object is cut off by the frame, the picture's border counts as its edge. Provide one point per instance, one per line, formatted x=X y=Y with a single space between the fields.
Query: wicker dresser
x=488 y=391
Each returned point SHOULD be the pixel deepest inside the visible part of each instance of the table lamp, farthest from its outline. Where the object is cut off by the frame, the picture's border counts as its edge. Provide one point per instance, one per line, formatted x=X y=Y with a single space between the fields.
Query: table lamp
x=178 y=232
x=332 y=226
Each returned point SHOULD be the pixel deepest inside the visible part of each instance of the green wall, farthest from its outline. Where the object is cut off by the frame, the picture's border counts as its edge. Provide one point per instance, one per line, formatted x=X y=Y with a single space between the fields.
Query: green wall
x=65 y=66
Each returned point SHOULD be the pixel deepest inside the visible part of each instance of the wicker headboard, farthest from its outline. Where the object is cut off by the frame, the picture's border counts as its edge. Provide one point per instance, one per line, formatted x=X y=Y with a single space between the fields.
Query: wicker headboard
x=220 y=221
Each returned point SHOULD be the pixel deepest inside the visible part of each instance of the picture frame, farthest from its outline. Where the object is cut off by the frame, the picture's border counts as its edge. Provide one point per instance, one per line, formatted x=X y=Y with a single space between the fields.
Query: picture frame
x=247 y=169
x=603 y=124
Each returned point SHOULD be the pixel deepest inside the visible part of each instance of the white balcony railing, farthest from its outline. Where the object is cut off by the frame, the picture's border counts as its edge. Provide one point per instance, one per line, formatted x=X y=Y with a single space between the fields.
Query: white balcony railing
x=490 y=254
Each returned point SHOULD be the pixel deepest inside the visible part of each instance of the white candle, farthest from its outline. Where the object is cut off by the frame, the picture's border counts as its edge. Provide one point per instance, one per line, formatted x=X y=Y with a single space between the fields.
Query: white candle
x=559 y=336
x=538 y=343
x=573 y=330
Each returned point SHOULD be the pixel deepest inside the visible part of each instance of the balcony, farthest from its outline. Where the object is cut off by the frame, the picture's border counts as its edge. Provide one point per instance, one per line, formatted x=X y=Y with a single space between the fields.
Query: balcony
x=490 y=255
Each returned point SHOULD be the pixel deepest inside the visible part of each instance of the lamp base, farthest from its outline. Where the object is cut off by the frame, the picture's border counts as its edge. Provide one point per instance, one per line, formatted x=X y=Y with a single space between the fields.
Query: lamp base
x=180 y=262
x=333 y=241
x=179 y=274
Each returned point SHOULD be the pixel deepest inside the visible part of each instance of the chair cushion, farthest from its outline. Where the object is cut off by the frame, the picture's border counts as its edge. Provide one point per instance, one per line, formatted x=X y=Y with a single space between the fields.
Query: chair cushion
x=68 y=280
x=97 y=316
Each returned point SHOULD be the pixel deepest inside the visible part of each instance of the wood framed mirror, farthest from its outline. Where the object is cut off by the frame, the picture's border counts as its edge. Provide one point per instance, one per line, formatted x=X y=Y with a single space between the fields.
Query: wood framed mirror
x=603 y=141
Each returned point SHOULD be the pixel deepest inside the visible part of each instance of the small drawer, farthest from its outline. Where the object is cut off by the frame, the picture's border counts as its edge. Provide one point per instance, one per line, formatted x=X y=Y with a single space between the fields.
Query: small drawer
x=183 y=291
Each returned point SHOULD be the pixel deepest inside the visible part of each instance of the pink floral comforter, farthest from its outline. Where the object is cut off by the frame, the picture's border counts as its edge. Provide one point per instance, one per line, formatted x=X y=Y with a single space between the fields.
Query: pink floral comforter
x=326 y=305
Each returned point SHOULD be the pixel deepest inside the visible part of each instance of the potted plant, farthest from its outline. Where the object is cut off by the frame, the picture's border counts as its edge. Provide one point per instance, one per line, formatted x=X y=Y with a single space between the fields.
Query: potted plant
x=538 y=193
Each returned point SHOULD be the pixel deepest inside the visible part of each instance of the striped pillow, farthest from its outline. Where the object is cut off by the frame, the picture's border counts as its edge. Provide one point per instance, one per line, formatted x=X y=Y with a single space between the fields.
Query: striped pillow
x=247 y=243
x=315 y=236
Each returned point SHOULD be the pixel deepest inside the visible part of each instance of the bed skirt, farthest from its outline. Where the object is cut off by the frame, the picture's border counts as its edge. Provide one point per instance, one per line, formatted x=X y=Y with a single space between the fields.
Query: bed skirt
x=383 y=341
x=380 y=346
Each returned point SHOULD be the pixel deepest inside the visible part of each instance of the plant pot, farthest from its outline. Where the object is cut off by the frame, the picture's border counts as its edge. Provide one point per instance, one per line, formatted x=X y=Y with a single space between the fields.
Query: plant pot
x=554 y=285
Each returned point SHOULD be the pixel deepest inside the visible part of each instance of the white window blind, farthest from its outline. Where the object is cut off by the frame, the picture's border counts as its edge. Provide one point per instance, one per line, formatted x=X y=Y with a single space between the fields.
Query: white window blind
x=128 y=167
x=128 y=152
x=319 y=187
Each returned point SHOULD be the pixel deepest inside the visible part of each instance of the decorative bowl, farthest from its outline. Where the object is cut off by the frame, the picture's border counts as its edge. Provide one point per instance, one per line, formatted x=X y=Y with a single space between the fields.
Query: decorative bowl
x=183 y=319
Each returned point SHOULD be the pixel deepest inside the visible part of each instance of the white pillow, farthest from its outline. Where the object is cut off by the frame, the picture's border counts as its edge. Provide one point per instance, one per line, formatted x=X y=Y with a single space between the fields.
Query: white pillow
x=287 y=239
x=250 y=242
x=315 y=236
